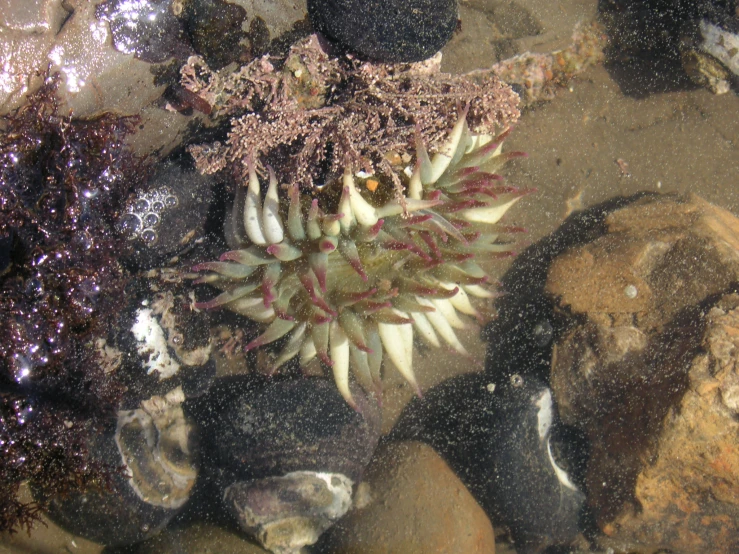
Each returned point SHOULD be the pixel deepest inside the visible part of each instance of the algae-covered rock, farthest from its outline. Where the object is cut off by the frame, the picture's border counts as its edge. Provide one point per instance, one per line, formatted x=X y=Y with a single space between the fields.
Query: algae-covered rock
x=648 y=370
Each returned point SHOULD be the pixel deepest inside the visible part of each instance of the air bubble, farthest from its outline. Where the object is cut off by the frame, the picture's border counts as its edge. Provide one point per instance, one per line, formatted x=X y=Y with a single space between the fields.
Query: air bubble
x=171 y=201
x=34 y=287
x=151 y=219
x=543 y=333
x=157 y=206
x=84 y=240
x=141 y=205
x=22 y=367
x=149 y=236
x=130 y=224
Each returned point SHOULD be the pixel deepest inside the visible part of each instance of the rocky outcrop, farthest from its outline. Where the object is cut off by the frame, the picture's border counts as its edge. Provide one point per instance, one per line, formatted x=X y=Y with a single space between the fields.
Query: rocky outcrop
x=649 y=370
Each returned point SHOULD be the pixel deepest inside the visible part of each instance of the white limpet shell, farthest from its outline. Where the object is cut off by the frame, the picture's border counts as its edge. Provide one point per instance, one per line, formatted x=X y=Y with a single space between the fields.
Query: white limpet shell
x=355 y=280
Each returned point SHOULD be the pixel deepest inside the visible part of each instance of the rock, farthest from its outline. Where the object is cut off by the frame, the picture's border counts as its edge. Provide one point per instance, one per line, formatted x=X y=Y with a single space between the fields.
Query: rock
x=418 y=505
x=149 y=30
x=708 y=53
x=386 y=30
x=157 y=446
x=279 y=16
x=496 y=30
x=648 y=370
x=199 y=538
x=168 y=217
x=660 y=256
x=498 y=434
x=46 y=536
x=285 y=454
x=95 y=76
x=102 y=52
x=158 y=342
x=27 y=31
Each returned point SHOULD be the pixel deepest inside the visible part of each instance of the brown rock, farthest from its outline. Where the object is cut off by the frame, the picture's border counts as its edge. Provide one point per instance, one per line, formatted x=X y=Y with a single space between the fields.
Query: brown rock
x=417 y=506
x=199 y=538
x=652 y=379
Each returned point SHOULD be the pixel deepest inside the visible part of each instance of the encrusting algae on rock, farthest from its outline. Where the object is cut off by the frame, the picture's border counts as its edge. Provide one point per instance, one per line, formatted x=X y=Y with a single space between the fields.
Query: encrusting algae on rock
x=356 y=268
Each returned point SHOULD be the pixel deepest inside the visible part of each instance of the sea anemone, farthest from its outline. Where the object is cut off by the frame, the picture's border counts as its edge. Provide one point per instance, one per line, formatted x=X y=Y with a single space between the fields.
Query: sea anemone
x=355 y=272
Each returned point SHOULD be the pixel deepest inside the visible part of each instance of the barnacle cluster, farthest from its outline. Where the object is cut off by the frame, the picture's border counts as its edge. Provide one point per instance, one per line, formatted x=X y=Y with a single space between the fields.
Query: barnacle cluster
x=354 y=273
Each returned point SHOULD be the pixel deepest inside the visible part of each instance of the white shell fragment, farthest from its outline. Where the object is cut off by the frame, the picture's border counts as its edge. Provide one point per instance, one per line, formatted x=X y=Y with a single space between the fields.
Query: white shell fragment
x=152 y=343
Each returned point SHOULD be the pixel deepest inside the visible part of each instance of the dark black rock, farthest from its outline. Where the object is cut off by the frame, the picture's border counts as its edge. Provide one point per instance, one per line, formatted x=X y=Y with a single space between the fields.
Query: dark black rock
x=386 y=30
x=168 y=218
x=215 y=30
x=255 y=427
x=497 y=436
x=6 y=246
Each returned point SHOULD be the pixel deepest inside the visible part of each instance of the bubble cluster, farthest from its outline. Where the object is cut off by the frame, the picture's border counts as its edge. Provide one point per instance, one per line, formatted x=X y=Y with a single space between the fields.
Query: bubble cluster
x=144 y=214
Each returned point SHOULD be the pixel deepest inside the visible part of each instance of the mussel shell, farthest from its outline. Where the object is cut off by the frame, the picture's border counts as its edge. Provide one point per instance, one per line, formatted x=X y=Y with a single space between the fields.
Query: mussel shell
x=254 y=427
x=289 y=512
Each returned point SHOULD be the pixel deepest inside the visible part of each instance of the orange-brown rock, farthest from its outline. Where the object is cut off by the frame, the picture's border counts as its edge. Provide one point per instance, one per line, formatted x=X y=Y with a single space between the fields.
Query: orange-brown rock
x=417 y=506
x=649 y=370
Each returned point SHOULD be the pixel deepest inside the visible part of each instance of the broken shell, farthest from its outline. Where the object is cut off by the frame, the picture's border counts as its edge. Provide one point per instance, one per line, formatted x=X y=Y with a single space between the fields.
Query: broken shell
x=288 y=512
x=156 y=445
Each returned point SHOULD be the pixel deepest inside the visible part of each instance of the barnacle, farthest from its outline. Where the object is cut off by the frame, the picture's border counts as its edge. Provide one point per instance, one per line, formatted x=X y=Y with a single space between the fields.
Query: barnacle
x=351 y=276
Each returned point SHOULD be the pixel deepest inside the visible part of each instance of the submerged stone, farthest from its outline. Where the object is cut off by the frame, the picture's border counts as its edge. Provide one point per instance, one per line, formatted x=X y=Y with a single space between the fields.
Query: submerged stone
x=498 y=436
x=387 y=31
x=148 y=29
x=156 y=447
x=416 y=505
x=647 y=369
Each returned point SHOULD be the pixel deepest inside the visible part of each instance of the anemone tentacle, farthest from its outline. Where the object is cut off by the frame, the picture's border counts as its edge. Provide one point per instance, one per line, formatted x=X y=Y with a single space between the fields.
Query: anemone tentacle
x=350 y=276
